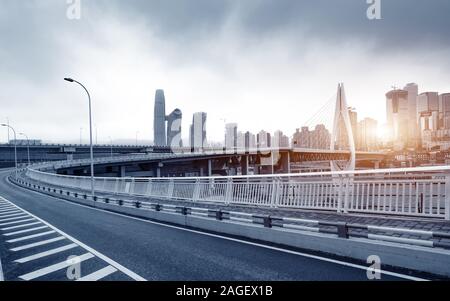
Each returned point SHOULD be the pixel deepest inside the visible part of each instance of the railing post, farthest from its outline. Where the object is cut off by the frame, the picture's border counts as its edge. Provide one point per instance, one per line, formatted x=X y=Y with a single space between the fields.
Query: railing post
x=447 y=198
x=229 y=191
x=275 y=192
x=347 y=187
x=149 y=187
x=170 y=189
x=196 y=193
x=339 y=184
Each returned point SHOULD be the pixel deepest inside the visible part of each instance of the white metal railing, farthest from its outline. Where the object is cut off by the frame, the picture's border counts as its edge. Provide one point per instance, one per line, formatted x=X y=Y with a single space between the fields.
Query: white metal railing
x=423 y=191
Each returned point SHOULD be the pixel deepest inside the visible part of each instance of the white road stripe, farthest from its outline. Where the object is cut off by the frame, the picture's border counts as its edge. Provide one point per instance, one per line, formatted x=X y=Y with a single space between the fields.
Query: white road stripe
x=31 y=236
x=46 y=253
x=25 y=231
x=37 y=244
x=99 y=274
x=115 y=264
x=20 y=226
x=12 y=218
x=17 y=222
x=8 y=209
x=338 y=262
x=9 y=212
x=11 y=215
x=54 y=268
x=5 y=208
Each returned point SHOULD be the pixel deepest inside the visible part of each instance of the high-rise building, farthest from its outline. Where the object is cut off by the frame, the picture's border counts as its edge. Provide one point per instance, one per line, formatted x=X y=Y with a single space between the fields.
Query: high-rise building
x=280 y=140
x=197 y=131
x=413 y=127
x=367 y=135
x=320 y=138
x=444 y=109
x=397 y=111
x=301 y=138
x=159 y=120
x=263 y=139
x=174 y=129
x=342 y=142
x=250 y=141
x=231 y=136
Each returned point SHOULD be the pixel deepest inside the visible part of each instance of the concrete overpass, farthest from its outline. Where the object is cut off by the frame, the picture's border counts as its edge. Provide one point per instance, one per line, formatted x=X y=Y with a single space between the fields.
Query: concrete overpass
x=220 y=162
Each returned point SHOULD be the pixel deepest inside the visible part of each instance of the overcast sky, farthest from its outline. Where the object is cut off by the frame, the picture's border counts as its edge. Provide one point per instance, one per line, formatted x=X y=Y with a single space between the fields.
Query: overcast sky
x=263 y=64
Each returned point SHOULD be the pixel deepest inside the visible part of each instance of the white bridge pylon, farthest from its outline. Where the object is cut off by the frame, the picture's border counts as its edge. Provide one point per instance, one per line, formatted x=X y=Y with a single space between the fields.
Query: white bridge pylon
x=341 y=116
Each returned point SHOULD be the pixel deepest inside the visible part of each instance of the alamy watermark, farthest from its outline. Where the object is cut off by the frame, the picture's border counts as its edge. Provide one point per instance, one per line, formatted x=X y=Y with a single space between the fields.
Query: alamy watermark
x=73 y=11
x=74 y=269
x=374 y=270
x=374 y=10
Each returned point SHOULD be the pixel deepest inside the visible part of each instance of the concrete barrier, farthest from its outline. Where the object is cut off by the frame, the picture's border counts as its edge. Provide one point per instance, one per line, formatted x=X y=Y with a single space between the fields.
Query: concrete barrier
x=422 y=259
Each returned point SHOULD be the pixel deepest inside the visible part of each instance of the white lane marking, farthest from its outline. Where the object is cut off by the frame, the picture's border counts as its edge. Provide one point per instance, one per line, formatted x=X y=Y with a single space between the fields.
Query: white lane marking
x=17 y=222
x=37 y=244
x=46 y=253
x=25 y=231
x=115 y=264
x=8 y=210
x=12 y=218
x=54 y=268
x=11 y=215
x=20 y=226
x=30 y=236
x=338 y=262
x=6 y=207
x=100 y=274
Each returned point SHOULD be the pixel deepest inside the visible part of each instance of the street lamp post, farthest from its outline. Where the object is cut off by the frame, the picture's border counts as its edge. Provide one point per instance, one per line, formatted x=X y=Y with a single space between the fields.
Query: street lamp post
x=28 y=147
x=15 y=144
x=90 y=133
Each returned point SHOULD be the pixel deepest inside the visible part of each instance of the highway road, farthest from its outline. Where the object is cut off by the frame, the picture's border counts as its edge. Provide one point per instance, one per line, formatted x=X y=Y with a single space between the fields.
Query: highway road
x=39 y=235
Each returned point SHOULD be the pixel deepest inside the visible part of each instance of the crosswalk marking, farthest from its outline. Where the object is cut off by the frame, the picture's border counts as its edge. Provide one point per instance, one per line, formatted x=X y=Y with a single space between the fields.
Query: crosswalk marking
x=11 y=215
x=17 y=222
x=54 y=268
x=13 y=218
x=20 y=226
x=31 y=236
x=37 y=244
x=6 y=207
x=46 y=253
x=100 y=274
x=8 y=210
x=25 y=231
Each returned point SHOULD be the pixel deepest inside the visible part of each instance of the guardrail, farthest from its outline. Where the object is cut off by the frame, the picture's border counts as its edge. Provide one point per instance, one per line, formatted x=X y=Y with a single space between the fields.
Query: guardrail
x=340 y=229
x=422 y=191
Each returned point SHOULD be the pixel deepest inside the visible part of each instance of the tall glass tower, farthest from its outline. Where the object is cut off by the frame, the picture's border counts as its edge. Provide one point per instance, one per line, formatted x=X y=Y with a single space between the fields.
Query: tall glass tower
x=159 y=120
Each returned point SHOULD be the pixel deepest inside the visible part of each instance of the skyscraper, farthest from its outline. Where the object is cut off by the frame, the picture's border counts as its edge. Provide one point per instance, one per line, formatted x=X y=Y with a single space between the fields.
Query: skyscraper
x=444 y=109
x=264 y=139
x=159 y=119
x=174 y=129
x=413 y=127
x=342 y=142
x=197 y=135
x=231 y=136
x=367 y=135
x=397 y=111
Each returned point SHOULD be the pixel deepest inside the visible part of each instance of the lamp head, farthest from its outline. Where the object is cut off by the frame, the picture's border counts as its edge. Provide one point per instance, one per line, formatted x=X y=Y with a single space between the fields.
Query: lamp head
x=69 y=79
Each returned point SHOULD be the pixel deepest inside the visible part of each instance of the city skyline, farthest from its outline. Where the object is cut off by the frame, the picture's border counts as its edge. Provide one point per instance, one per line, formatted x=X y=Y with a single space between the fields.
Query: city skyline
x=242 y=67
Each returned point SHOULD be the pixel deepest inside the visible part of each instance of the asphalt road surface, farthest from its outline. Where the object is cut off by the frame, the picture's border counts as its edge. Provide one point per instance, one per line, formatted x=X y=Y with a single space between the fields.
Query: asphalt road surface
x=45 y=238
